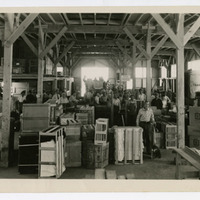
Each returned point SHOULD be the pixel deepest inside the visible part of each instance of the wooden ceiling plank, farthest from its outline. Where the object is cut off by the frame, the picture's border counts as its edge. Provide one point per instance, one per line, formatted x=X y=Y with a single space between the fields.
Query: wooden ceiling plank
x=136 y=42
x=159 y=45
x=64 y=52
x=30 y=44
x=192 y=31
x=22 y=27
x=196 y=49
x=123 y=51
x=167 y=29
x=52 y=19
x=53 y=42
x=138 y=19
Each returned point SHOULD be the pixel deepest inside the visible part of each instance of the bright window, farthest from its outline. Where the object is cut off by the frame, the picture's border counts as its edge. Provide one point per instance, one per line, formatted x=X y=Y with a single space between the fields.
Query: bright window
x=173 y=71
x=194 y=65
x=140 y=72
x=163 y=72
x=129 y=84
x=92 y=73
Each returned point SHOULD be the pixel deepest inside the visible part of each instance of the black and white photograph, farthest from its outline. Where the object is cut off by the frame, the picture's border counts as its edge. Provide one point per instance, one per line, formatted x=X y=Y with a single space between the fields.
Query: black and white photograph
x=92 y=95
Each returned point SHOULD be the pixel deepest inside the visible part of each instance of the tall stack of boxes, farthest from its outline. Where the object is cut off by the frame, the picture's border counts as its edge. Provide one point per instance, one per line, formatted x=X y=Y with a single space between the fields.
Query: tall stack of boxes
x=194 y=127
x=35 y=118
x=73 y=145
x=95 y=152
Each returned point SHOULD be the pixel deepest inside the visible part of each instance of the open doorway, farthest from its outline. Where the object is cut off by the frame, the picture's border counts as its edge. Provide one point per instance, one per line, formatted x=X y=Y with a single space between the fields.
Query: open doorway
x=93 y=73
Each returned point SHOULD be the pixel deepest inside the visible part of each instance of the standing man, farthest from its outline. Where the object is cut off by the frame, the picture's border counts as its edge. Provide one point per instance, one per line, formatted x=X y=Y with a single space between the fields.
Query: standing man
x=145 y=119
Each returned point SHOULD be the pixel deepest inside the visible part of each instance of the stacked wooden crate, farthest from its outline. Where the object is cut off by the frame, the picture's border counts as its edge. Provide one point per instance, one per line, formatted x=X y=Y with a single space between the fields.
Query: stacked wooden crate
x=55 y=110
x=28 y=152
x=89 y=117
x=51 y=152
x=95 y=151
x=170 y=131
x=73 y=144
x=194 y=127
x=128 y=145
x=35 y=117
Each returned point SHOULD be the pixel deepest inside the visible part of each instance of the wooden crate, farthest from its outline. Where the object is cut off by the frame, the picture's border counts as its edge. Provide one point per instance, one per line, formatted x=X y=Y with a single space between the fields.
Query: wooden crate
x=194 y=116
x=194 y=141
x=101 y=131
x=82 y=118
x=73 y=153
x=87 y=132
x=36 y=110
x=171 y=144
x=67 y=118
x=194 y=130
x=51 y=152
x=128 y=145
x=90 y=111
x=73 y=132
x=94 y=156
x=34 y=124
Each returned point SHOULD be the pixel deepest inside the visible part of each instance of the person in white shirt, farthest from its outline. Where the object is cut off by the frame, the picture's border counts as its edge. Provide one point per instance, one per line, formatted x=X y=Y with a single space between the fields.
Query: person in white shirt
x=141 y=95
x=145 y=119
x=56 y=95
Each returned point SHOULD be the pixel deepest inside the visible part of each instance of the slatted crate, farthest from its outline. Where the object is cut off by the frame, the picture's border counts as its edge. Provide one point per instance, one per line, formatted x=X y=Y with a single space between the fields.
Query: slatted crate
x=67 y=118
x=73 y=130
x=87 y=132
x=51 y=152
x=73 y=153
x=35 y=117
x=91 y=112
x=82 y=118
x=101 y=131
x=194 y=115
x=194 y=141
x=28 y=152
x=128 y=145
x=94 y=156
x=171 y=135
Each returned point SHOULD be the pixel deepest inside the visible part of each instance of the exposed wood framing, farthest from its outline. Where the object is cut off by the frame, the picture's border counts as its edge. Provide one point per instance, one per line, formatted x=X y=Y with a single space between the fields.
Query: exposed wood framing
x=196 y=49
x=133 y=66
x=136 y=42
x=65 y=52
x=167 y=29
x=40 y=67
x=180 y=84
x=192 y=31
x=159 y=45
x=148 y=71
x=7 y=78
x=22 y=27
x=29 y=43
x=53 y=42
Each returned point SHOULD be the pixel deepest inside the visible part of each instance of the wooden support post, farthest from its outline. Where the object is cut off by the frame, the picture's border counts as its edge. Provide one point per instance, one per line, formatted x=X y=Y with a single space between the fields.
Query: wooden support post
x=180 y=85
x=148 y=71
x=7 y=79
x=40 y=67
x=133 y=67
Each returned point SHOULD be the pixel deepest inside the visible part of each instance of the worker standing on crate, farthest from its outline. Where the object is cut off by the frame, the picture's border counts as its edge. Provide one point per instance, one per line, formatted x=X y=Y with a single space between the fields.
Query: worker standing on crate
x=145 y=119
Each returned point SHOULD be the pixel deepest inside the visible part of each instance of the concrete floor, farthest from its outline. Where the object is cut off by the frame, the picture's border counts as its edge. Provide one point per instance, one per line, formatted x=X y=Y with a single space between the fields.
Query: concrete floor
x=163 y=168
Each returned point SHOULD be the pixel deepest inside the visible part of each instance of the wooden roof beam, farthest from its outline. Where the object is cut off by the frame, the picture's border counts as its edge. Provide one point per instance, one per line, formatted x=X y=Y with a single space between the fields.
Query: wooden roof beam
x=192 y=31
x=136 y=42
x=22 y=27
x=159 y=45
x=123 y=51
x=167 y=29
x=29 y=43
x=138 y=19
x=64 y=52
x=53 y=42
x=52 y=19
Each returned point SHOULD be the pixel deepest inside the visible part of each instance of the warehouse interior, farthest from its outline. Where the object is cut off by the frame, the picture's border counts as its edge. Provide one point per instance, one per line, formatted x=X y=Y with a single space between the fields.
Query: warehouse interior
x=73 y=86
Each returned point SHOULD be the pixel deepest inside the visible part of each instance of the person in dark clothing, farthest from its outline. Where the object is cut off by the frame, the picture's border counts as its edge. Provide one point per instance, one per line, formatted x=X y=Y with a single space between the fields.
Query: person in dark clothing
x=145 y=119
x=132 y=111
x=157 y=102
x=30 y=98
